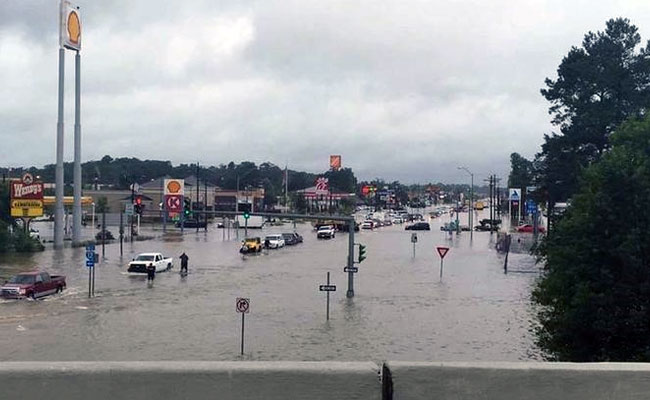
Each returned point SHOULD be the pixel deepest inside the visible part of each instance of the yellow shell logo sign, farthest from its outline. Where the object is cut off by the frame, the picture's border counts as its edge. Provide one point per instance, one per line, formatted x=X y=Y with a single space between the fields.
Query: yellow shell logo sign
x=74 y=27
x=173 y=187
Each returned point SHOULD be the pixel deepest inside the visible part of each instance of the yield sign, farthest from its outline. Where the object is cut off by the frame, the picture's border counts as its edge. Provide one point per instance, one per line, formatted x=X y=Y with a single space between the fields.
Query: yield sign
x=442 y=251
x=173 y=203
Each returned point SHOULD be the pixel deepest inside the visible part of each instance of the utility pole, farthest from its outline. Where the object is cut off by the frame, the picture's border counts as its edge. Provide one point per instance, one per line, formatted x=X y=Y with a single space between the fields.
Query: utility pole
x=132 y=203
x=471 y=203
x=205 y=203
x=491 y=203
x=197 y=196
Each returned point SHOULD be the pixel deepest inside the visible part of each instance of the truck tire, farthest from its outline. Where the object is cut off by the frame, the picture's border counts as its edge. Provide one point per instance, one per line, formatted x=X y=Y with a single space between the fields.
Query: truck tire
x=31 y=295
x=59 y=289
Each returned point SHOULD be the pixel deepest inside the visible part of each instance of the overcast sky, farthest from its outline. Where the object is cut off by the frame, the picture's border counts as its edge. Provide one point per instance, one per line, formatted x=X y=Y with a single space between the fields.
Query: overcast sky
x=406 y=90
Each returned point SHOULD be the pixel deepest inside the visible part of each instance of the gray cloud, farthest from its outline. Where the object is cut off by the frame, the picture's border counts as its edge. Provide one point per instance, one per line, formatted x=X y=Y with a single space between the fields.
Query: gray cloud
x=403 y=90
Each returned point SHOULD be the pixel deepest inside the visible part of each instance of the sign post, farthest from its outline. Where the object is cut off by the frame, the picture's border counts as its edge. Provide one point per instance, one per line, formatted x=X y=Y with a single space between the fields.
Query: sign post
x=327 y=288
x=442 y=252
x=414 y=240
x=90 y=264
x=243 y=307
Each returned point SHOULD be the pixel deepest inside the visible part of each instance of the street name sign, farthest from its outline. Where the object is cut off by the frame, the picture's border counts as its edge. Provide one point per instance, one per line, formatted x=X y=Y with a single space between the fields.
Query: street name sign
x=327 y=288
x=348 y=269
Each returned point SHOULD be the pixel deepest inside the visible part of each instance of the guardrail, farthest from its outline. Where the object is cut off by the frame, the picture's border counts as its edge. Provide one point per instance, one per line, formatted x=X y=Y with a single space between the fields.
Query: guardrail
x=162 y=380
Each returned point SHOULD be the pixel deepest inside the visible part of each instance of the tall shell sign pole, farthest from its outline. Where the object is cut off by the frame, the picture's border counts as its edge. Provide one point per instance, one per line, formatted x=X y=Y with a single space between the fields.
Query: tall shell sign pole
x=70 y=32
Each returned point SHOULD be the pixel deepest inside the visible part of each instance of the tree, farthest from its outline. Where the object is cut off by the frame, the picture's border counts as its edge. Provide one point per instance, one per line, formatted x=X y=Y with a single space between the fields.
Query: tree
x=299 y=202
x=599 y=85
x=102 y=205
x=595 y=292
x=342 y=180
x=521 y=171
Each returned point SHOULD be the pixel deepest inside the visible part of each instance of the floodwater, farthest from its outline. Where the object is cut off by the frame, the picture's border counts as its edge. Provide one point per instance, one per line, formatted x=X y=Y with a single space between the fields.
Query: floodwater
x=402 y=310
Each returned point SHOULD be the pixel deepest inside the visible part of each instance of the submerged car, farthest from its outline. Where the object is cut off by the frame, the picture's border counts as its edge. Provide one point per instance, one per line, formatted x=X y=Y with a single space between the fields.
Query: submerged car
x=274 y=241
x=142 y=261
x=528 y=228
x=326 y=232
x=251 y=245
x=418 y=226
x=33 y=285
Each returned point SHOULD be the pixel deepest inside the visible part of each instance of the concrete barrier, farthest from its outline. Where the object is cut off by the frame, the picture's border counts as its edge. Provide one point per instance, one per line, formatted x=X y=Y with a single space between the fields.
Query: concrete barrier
x=505 y=381
x=189 y=380
x=162 y=380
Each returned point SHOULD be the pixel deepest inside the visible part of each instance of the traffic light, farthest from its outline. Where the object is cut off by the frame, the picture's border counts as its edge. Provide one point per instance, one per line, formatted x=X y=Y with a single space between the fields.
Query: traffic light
x=247 y=215
x=362 y=253
x=138 y=207
x=187 y=207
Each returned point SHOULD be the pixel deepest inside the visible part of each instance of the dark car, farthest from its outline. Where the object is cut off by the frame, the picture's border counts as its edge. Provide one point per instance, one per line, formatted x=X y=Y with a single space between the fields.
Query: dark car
x=104 y=234
x=289 y=239
x=419 y=226
x=297 y=236
x=192 y=223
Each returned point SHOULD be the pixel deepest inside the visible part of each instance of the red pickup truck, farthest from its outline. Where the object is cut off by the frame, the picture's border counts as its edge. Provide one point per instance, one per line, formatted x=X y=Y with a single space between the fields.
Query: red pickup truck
x=32 y=284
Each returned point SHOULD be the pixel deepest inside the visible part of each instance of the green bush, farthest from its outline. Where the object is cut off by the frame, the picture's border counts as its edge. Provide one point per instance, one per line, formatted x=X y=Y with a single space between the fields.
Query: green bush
x=23 y=243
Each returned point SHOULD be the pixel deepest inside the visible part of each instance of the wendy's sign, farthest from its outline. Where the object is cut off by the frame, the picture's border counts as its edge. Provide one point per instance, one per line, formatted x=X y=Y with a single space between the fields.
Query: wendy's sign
x=26 y=189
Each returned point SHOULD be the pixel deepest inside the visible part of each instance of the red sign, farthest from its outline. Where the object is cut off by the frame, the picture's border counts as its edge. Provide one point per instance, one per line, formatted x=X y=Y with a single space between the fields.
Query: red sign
x=27 y=189
x=442 y=251
x=365 y=190
x=174 y=203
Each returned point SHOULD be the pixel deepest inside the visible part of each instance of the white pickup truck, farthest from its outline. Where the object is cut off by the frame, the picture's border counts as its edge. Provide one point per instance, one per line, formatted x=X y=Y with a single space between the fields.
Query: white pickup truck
x=142 y=261
x=325 y=232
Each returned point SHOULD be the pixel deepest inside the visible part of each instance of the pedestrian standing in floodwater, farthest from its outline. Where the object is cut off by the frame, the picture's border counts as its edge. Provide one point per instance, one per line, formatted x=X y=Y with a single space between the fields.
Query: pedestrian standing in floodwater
x=184 y=259
x=151 y=273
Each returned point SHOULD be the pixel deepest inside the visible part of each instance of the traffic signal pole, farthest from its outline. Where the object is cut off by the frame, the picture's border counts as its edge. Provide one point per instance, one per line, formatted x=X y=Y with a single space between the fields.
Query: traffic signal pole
x=350 y=292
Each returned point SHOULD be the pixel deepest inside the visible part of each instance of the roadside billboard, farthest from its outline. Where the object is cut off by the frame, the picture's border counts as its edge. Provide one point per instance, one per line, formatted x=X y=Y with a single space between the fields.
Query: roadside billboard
x=26 y=197
x=70 y=29
x=174 y=187
x=335 y=162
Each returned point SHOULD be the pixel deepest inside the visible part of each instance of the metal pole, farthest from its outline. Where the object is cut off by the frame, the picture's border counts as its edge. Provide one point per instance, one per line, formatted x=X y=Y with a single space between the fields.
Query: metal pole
x=223 y=224
x=93 y=269
x=328 y=297
x=197 y=197
x=164 y=204
x=457 y=221
x=89 y=280
x=491 y=205
x=58 y=208
x=413 y=249
x=350 y=292
x=76 y=209
x=121 y=232
x=242 y=333
x=205 y=203
x=93 y=222
x=471 y=209
x=103 y=233
x=132 y=207
x=441 y=268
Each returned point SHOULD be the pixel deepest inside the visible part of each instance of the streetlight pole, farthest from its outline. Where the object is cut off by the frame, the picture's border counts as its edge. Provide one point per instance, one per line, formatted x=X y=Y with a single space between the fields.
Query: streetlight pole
x=471 y=202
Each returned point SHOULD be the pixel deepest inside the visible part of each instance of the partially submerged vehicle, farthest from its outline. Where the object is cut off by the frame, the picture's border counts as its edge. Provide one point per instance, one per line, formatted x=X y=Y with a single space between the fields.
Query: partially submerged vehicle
x=251 y=245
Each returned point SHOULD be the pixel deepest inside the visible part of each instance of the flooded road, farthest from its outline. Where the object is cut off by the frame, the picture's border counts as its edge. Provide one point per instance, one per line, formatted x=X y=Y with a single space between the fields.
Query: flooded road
x=401 y=309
